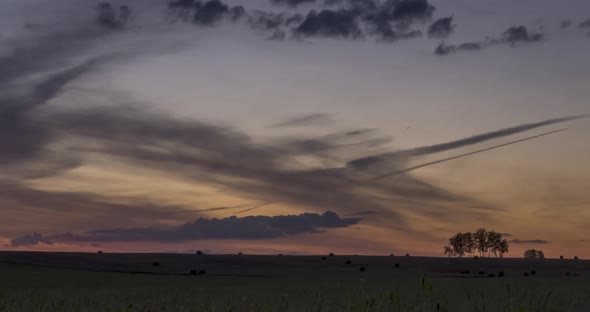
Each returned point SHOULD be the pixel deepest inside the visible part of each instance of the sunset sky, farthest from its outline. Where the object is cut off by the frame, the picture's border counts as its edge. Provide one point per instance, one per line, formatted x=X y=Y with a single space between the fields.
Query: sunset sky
x=263 y=126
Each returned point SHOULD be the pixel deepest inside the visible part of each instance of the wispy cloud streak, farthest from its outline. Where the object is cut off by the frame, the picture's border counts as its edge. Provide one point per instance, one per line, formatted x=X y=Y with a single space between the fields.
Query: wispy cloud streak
x=463 y=155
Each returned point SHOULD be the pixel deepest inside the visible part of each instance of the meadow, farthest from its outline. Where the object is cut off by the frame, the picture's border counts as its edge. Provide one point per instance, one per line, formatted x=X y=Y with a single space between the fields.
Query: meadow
x=165 y=282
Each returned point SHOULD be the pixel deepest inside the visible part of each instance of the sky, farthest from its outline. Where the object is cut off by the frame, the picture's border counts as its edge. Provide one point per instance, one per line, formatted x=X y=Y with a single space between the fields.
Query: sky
x=293 y=126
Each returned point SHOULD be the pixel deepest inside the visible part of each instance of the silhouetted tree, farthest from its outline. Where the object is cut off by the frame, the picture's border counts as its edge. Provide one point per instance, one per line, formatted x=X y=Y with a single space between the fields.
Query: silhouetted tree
x=534 y=254
x=449 y=251
x=486 y=243
x=480 y=237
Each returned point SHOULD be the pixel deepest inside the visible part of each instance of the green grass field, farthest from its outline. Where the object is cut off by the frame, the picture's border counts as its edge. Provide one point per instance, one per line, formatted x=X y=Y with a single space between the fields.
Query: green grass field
x=129 y=282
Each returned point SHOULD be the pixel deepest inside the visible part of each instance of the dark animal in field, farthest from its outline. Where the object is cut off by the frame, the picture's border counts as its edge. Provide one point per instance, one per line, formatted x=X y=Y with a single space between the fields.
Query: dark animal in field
x=466 y=272
x=99 y=252
x=475 y=257
x=533 y=272
x=331 y=254
x=240 y=253
x=362 y=269
x=396 y=265
x=155 y=264
x=193 y=272
x=407 y=255
x=482 y=273
x=560 y=257
x=526 y=273
x=348 y=262
x=391 y=255
x=202 y=272
x=324 y=258
x=491 y=275
x=199 y=252
x=501 y=274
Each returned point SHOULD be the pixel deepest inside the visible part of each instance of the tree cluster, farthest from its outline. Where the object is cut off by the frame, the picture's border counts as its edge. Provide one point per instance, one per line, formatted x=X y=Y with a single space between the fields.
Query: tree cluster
x=534 y=254
x=481 y=242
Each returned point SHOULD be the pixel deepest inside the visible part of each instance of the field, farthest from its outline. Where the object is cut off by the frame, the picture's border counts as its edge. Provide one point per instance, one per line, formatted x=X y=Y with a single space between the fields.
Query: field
x=131 y=282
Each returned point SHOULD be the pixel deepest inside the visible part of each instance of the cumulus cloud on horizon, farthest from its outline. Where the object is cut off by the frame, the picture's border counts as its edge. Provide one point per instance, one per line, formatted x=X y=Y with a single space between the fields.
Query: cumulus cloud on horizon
x=244 y=228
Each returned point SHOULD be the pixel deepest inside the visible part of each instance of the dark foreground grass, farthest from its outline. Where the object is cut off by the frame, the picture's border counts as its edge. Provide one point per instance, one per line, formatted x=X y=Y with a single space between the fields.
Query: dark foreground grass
x=43 y=288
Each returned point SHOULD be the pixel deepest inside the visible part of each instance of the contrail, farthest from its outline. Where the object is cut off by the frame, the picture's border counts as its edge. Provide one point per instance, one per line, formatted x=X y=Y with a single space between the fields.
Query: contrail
x=362 y=213
x=252 y=208
x=463 y=155
x=214 y=208
x=431 y=149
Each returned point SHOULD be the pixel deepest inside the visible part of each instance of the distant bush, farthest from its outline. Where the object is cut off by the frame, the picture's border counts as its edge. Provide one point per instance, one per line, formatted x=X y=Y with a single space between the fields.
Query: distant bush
x=534 y=254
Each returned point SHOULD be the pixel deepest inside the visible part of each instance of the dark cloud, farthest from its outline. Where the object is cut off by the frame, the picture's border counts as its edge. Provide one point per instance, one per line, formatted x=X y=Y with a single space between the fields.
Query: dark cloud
x=205 y=13
x=277 y=35
x=388 y=21
x=266 y=20
x=529 y=241
x=30 y=240
x=518 y=34
x=469 y=46
x=330 y=24
x=441 y=28
x=291 y=3
x=307 y=120
x=111 y=16
x=444 y=49
x=411 y=10
x=246 y=228
x=513 y=36
x=391 y=20
x=565 y=24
